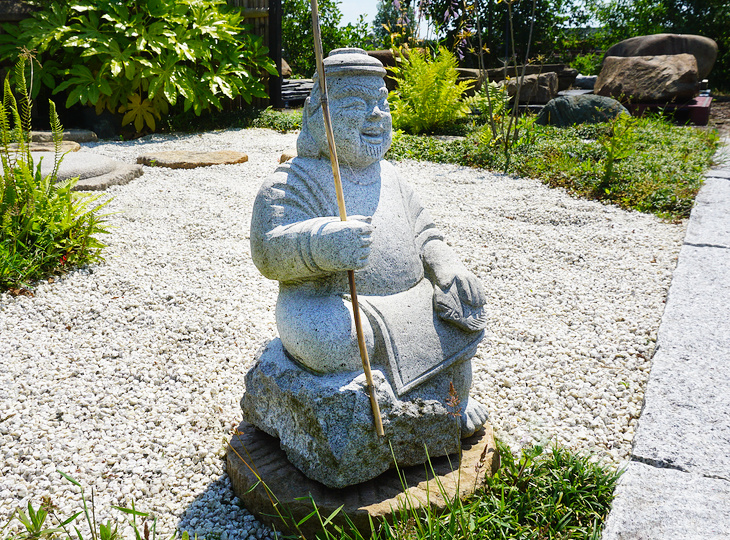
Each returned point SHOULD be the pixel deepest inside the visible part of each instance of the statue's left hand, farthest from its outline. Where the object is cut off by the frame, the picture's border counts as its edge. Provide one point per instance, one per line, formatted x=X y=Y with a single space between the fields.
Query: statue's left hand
x=470 y=289
x=459 y=299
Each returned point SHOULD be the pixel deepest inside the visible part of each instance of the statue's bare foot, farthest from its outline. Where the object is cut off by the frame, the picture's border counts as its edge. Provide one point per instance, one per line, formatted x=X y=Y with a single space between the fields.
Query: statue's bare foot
x=473 y=416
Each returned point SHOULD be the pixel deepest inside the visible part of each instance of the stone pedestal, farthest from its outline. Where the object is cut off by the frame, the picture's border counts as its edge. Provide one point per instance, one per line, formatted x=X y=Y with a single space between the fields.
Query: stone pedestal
x=252 y=456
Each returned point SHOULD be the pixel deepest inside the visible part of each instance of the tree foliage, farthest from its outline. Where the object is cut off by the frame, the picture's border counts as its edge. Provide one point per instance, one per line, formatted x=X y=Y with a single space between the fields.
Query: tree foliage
x=297 y=38
x=394 y=24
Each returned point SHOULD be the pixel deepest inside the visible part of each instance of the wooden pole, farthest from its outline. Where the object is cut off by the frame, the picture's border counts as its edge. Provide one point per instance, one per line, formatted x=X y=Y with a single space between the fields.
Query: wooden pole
x=343 y=215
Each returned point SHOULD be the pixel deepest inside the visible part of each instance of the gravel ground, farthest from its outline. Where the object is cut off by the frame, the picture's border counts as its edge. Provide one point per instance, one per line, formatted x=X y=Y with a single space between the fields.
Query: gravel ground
x=127 y=375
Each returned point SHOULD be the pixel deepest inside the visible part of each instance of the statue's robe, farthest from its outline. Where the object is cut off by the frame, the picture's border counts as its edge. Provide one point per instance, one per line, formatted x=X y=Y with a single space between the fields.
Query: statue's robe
x=394 y=291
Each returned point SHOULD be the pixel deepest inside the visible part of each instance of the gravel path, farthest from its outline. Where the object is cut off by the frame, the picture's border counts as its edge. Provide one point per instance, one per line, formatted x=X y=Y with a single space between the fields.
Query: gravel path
x=127 y=375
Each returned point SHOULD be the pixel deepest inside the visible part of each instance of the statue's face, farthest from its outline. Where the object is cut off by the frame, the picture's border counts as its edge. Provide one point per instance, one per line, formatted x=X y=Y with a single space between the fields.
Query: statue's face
x=361 y=120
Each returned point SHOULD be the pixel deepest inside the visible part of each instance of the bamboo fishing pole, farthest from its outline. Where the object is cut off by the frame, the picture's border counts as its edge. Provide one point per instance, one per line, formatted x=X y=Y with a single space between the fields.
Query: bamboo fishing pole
x=343 y=214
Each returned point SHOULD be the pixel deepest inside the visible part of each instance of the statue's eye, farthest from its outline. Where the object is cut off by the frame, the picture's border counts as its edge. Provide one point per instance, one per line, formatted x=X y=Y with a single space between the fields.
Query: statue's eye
x=354 y=104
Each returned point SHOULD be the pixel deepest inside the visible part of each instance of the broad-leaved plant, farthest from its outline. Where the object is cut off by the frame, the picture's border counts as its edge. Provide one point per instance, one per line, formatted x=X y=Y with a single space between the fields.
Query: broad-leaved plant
x=140 y=57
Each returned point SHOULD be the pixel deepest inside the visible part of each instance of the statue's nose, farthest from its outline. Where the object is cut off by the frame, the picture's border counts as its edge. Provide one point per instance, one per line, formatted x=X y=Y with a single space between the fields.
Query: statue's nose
x=376 y=113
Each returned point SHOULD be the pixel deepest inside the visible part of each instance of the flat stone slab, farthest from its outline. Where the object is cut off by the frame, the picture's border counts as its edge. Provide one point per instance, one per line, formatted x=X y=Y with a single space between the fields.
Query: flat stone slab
x=710 y=225
x=684 y=423
x=95 y=172
x=378 y=498
x=76 y=135
x=182 y=159
x=659 y=504
x=718 y=172
x=66 y=146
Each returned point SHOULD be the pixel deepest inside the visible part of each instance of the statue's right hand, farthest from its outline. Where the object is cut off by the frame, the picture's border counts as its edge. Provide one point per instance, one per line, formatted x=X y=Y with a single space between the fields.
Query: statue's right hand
x=343 y=245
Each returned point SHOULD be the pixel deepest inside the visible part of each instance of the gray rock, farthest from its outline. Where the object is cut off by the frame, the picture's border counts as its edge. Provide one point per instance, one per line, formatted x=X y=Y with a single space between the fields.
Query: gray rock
x=95 y=172
x=658 y=504
x=702 y=48
x=565 y=111
x=566 y=75
x=325 y=425
x=536 y=88
x=649 y=78
x=709 y=225
x=585 y=82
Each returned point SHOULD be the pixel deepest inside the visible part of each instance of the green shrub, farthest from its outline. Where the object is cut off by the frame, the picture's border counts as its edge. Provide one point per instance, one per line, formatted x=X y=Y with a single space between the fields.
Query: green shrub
x=429 y=96
x=138 y=58
x=281 y=121
x=587 y=64
x=45 y=228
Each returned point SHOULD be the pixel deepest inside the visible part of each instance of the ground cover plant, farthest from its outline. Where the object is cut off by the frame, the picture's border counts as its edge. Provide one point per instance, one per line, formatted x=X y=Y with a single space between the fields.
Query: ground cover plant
x=541 y=493
x=644 y=164
x=45 y=228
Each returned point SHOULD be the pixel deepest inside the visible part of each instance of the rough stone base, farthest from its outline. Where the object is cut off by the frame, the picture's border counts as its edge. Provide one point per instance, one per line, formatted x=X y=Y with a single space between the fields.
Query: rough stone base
x=325 y=423
x=252 y=450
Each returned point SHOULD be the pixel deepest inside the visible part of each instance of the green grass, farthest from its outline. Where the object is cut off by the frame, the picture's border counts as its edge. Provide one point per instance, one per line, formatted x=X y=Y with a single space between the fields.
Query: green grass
x=644 y=164
x=544 y=493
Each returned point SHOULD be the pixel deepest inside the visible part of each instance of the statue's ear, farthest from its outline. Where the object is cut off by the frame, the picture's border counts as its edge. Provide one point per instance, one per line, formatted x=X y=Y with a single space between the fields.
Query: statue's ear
x=306 y=144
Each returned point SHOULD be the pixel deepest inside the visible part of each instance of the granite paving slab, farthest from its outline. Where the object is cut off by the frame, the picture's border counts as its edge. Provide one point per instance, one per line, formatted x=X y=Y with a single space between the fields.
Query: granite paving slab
x=677 y=484
x=710 y=224
x=719 y=172
x=665 y=504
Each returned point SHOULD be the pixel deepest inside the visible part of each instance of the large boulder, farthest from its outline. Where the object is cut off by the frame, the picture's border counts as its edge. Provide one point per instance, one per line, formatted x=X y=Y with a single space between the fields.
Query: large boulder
x=566 y=75
x=702 y=48
x=649 y=78
x=537 y=88
x=565 y=111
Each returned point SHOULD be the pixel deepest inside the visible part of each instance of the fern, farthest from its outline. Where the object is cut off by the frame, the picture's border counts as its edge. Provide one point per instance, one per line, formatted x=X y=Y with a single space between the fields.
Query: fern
x=429 y=95
x=45 y=227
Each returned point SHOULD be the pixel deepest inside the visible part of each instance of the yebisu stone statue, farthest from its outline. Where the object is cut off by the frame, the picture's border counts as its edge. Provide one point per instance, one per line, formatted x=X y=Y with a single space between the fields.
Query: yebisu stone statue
x=423 y=310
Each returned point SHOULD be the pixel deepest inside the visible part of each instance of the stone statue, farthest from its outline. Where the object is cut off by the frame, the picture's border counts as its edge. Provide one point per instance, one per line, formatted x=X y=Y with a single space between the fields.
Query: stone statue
x=423 y=310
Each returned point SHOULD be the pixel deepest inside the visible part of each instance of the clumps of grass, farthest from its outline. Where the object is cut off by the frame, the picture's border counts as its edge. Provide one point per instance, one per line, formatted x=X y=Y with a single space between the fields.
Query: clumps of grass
x=45 y=228
x=35 y=526
x=644 y=164
x=543 y=493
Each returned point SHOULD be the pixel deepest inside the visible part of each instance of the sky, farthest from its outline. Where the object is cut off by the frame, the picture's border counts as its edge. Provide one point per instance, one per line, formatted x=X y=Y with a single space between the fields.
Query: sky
x=352 y=9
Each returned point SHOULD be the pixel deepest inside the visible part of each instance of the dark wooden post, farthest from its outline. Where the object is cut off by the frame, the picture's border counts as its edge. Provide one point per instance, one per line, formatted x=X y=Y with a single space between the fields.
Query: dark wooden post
x=275 y=51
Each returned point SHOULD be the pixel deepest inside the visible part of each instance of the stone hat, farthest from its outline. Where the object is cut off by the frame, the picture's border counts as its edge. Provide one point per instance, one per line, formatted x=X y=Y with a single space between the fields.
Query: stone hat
x=351 y=61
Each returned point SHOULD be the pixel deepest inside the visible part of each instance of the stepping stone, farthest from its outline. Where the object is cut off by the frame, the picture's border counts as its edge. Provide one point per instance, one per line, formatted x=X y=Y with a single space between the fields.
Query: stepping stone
x=76 y=135
x=379 y=498
x=66 y=146
x=95 y=172
x=181 y=159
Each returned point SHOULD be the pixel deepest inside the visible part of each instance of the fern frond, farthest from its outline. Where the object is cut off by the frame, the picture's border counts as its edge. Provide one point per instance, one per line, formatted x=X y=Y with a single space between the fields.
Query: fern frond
x=57 y=131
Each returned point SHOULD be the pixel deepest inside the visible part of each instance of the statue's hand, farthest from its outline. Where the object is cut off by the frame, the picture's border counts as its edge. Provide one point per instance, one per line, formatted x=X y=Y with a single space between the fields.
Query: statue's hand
x=469 y=288
x=343 y=245
x=459 y=299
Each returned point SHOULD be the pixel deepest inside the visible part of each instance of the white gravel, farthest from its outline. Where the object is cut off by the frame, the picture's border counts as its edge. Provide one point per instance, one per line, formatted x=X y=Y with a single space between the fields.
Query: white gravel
x=127 y=375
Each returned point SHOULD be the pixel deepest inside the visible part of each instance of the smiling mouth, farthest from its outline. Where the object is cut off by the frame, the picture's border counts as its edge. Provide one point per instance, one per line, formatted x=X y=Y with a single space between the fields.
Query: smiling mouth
x=372 y=137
